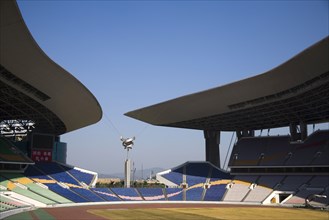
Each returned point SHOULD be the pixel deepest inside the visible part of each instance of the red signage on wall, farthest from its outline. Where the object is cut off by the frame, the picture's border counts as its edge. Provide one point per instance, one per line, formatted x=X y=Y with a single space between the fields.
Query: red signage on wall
x=42 y=155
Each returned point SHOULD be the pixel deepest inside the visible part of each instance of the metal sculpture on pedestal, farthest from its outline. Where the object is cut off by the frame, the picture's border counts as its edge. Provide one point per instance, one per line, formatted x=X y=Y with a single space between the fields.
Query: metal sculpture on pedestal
x=128 y=144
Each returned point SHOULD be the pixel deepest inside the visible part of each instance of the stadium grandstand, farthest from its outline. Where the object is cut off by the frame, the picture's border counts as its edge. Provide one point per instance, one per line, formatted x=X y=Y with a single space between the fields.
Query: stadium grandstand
x=277 y=170
x=283 y=169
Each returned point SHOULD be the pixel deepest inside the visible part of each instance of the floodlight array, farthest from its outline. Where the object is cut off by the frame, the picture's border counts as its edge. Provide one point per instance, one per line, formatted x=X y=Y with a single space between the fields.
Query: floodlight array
x=16 y=127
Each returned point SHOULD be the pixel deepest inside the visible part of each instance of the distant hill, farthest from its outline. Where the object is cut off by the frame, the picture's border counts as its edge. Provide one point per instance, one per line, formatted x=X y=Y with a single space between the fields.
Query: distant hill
x=139 y=174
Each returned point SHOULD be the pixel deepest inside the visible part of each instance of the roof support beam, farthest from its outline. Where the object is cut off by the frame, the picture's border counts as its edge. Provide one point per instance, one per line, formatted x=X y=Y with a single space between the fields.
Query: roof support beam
x=212 y=139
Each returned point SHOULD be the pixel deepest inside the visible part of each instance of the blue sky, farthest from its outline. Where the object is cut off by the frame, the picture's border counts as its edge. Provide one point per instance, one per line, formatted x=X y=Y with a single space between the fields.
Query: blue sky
x=131 y=54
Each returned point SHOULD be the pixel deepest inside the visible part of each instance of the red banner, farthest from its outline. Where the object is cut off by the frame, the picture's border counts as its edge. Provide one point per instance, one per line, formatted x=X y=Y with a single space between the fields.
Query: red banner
x=42 y=155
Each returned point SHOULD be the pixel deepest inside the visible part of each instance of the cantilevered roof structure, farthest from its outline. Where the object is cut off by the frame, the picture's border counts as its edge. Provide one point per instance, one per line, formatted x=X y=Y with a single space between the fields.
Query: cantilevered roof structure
x=33 y=87
x=296 y=91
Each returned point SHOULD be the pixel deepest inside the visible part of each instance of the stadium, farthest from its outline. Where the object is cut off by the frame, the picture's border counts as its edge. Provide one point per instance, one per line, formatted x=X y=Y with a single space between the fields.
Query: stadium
x=289 y=171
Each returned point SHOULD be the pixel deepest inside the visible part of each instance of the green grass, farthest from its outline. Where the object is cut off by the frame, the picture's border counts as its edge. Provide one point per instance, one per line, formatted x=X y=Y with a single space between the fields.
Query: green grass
x=221 y=213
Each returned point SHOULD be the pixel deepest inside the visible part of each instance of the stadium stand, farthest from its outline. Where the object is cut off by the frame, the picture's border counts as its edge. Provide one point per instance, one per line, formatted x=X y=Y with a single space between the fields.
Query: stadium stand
x=193 y=173
x=218 y=174
x=270 y=181
x=106 y=194
x=66 y=192
x=151 y=194
x=127 y=194
x=290 y=167
x=194 y=194
x=59 y=179
x=174 y=194
x=198 y=181
x=316 y=185
x=197 y=172
x=280 y=151
x=21 y=186
x=88 y=194
x=175 y=176
x=276 y=150
x=215 y=192
x=299 y=197
x=8 y=203
x=236 y=192
x=306 y=153
x=193 y=178
x=11 y=154
x=319 y=182
x=83 y=175
x=37 y=188
x=57 y=172
x=293 y=182
x=322 y=156
x=34 y=173
x=257 y=194
x=243 y=152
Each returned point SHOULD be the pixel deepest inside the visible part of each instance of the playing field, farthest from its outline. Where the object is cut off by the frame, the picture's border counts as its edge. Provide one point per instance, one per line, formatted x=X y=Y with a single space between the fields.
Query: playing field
x=171 y=212
x=211 y=213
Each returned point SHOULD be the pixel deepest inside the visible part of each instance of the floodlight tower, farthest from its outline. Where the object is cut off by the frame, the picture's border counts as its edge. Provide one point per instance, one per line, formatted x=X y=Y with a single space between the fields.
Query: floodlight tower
x=127 y=144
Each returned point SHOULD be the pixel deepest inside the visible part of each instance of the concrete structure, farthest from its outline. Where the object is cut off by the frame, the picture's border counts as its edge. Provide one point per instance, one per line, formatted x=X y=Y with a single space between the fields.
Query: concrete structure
x=36 y=88
x=294 y=94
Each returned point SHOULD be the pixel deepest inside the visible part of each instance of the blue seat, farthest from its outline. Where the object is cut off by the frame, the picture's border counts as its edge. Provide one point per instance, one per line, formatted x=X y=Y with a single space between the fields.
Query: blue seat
x=174 y=194
x=57 y=172
x=66 y=193
x=194 y=194
x=128 y=194
x=87 y=178
x=152 y=193
x=175 y=177
x=215 y=192
x=86 y=193
x=32 y=172
x=106 y=193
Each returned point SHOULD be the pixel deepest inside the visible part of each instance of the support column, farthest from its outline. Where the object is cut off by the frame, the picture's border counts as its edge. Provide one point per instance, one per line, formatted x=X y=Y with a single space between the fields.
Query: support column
x=303 y=131
x=212 y=147
x=127 y=173
x=298 y=134
x=293 y=131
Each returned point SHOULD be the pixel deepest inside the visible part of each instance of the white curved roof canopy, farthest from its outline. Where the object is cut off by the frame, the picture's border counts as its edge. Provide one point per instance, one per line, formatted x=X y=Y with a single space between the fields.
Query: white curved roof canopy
x=34 y=86
x=296 y=91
